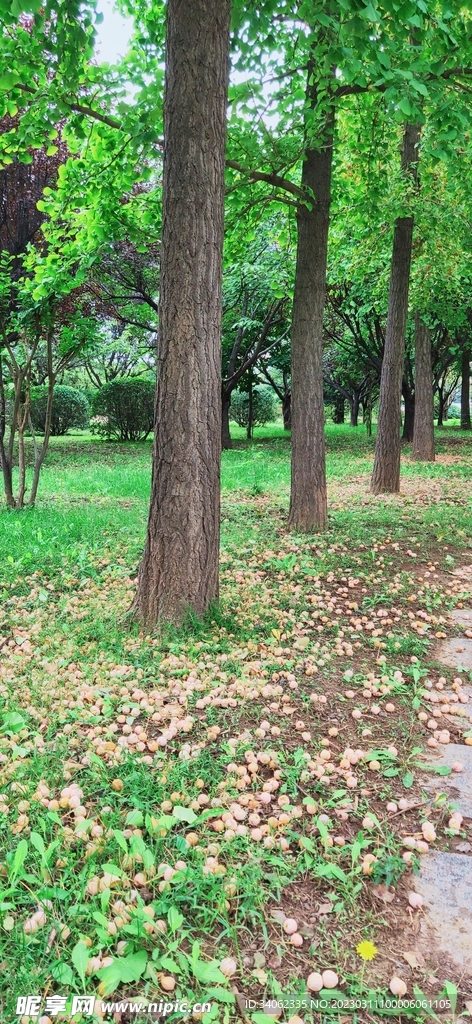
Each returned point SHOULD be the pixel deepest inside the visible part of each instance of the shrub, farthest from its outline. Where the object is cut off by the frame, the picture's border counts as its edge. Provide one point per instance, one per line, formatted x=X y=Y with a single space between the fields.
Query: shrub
x=264 y=407
x=69 y=409
x=124 y=409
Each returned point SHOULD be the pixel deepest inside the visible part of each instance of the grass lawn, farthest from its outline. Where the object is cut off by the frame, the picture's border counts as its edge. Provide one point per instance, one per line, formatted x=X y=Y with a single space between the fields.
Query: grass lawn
x=218 y=813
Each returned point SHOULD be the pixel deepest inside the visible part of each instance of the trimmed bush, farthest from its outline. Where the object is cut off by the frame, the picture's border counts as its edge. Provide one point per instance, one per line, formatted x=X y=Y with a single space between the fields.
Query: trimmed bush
x=69 y=409
x=264 y=407
x=124 y=409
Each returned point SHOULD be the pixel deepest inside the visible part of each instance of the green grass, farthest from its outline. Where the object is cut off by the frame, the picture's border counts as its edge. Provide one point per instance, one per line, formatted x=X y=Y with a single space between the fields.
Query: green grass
x=67 y=569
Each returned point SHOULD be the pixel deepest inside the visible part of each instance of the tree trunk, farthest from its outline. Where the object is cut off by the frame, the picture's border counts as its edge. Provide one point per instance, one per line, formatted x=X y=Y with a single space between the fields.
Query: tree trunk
x=409 y=418
x=250 y=408
x=339 y=408
x=386 y=472
x=287 y=410
x=465 y=390
x=354 y=405
x=423 y=433
x=179 y=569
x=441 y=403
x=4 y=460
x=308 y=499
x=226 y=441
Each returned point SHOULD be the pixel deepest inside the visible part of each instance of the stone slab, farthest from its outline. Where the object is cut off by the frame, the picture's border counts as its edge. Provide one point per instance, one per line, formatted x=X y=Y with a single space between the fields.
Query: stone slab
x=445 y=883
x=455 y=653
x=463 y=618
x=464 y=572
x=457 y=785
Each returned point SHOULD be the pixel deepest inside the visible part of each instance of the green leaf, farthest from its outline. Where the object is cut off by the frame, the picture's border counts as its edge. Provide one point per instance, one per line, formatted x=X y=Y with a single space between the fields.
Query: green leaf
x=80 y=958
x=221 y=995
x=12 y=723
x=169 y=964
x=370 y=13
x=38 y=842
x=405 y=106
x=135 y=817
x=175 y=919
x=62 y=973
x=208 y=972
x=121 y=840
x=408 y=780
x=133 y=966
x=110 y=978
x=184 y=814
x=20 y=856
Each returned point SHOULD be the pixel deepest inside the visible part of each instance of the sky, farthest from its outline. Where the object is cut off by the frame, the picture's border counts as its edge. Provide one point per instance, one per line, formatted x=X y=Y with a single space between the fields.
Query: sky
x=113 y=34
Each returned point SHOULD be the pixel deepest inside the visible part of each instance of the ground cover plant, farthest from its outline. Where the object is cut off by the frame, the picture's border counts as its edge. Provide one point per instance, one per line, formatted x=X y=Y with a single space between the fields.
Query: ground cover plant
x=233 y=810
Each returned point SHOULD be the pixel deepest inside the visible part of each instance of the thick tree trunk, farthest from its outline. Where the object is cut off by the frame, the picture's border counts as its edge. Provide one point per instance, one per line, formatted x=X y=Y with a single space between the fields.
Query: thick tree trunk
x=423 y=434
x=409 y=417
x=386 y=472
x=465 y=390
x=308 y=499
x=226 y=441
x=354 y=405
x=179 y=570
x=287 y=410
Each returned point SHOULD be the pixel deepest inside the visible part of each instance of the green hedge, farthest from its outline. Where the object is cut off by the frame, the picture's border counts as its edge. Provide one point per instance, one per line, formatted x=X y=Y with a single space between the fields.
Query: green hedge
x=69 y=409
x=124 y=409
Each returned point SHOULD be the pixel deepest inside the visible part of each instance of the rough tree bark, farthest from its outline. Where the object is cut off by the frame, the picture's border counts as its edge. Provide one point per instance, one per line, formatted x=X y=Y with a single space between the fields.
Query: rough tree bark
x=386 y=472
x=308 y=498
x=465 y=390
x=423 y=433
x=179 y=569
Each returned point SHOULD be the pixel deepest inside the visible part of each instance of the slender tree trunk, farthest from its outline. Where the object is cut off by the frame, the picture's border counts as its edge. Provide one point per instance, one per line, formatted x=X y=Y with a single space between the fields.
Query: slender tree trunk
x=354 y=406
x=226 y=441
x=287 y=410
x=179 y=570
x=386 y=472
x=5 y=462
x=423 y=434
x=441 y=407
x=308 y=499
x=40 y=454
x=250 y=408
x=339 y=408
x=367 y=414
x=465 y=390
x=409 y=418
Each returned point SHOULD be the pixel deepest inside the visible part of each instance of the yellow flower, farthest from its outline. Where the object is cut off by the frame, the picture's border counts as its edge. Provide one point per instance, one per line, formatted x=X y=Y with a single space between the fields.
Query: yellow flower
x=366 y=950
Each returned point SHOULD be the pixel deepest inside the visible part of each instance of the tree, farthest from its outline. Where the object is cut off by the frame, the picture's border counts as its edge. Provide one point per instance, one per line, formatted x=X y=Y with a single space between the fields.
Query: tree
x=179 y=569
x=465 y=389
x=423 y=432
x=256 y=322
x=386 y=471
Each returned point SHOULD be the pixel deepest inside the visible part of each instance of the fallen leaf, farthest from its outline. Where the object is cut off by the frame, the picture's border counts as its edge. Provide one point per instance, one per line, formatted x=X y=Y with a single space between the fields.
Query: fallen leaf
x=259 y=960
x=382 y=893
x=415 y=960
x=260 y=976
